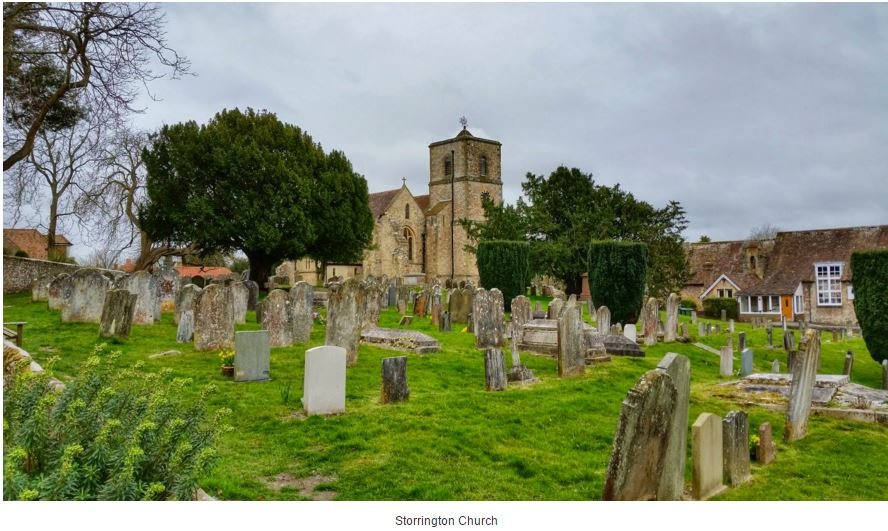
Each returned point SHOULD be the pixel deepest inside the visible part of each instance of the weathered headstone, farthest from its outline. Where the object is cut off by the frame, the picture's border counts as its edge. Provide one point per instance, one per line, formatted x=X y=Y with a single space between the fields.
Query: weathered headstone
x=344 y=305
x=444 y=324
x=538 y=312
x=701 y=329
x=392 y=294
x=117 y=313
x=213 y=319
x=521 y=313
x=735 y=447
x=615 y=330
x=59 y=292
x=765 y=450
x=88 y=290
x=651 y=320
x=394 y=380
x=40 y=288
x=672 y=303
x=301 y=304
x=788 y=341
x=804 y=373
x=555 y=308
x=487 y=319
x=437 y=305
x=724 y=315
x=253 y=297
x=630 y=332
x=741 y=341
x=370 y=310
x=168 y=283
x=459 y=304
x=277 y=318
x=571 y=341
x=678 y=368
x=185 y=327
x=790 y=360
x=603 y=319
x=240 y=297
x=726 y=363
x=770 y=336
x=494 y=370
x=420 y=304
x=731 y=326
x=746 y=362
x=693 y=316
x=775 y=366
x=147 y=288
x=252 y=356
x=185 y=299
x=849 y=363
x=640 y=446
x=706 y=456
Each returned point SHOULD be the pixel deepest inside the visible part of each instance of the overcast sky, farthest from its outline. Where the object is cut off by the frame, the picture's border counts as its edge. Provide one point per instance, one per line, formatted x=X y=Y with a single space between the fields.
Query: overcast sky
x=746 y=114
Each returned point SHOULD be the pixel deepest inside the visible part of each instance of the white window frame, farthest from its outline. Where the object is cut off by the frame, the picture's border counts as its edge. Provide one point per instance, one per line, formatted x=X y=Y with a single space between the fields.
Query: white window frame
x=798 y=301
x=828 y=274
x=762 y=304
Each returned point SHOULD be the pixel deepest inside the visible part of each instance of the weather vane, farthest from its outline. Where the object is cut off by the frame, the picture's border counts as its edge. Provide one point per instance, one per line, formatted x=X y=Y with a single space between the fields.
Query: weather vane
x=463 y=121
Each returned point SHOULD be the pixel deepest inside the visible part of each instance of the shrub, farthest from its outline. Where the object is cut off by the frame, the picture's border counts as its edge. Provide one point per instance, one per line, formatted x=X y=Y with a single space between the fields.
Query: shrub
x=504 y=265
x=616 y=277
x=111 y=434
x=688 y=303
x=870 y=273
x=713 y=307
x=21 y=253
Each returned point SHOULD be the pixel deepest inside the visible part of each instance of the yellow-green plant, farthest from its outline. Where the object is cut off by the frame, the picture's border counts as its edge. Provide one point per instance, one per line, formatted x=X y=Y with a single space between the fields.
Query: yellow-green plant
x=226 y=357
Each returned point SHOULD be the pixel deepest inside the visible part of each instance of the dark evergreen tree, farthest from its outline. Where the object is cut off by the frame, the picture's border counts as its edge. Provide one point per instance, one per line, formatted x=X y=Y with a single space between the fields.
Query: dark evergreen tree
x=504 y=265
x=870 y=270
x=617 y=273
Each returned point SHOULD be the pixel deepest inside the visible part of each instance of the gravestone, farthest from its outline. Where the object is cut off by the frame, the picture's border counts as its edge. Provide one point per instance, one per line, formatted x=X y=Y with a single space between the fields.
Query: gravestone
x=770 y=336
x=538 y=312
x=788 y=341
x=765 y=450
x=185 y=299
x=701 y=329
x=521 y=313
x=726 y=363
x=615 y=330
x=185 y=327
x=709 y=329
x=693 y=316
x=775 y=367
x=59 y=292
x=437 y=305
x=555 y=308
x=444 y=325
x=571 y=341
x=487 y=319
x=40 y=288
x=392 y=294
x=804 y=373
x=370 y=311
x=253 y=297
x=746 y=362
x=630 y=333
x=651 y=320
x=735 y=447
x=213 y=319
x=585 y=293
x=790 y=360
x=459 y=305
x=603 y=319
x=731 y=326
x=741 y=341
x=885 y=374
x=718 y=329
x=420 y=304
x=88 y=290
x=147 y=288
x=678 y=368
x=724 y=315
x=252 y=355
x=685 y=334
x=672 y=303
x=344 y=305
x=168 y=283
x=706 y=456
x=301 y=304
x=117 y=313
x=240 y=298
x=324 y=382
x=394 y=380
x=277 y=318
x=494 y=369
x=640 y=445
x=849 y=363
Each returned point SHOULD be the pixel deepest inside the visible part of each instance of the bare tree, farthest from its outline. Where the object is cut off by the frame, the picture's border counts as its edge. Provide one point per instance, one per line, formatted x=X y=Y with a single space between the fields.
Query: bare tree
x=104 y=257
x=763 y=232
x=101 y=51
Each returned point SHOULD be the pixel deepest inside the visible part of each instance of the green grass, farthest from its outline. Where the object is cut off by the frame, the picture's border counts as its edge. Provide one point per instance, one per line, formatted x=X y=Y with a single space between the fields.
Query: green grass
x=454 y=441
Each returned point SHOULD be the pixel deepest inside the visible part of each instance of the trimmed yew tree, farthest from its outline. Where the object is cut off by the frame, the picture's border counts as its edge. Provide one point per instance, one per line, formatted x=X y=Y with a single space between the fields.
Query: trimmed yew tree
x=617 y=272
x=870 y=274
x=504 y=265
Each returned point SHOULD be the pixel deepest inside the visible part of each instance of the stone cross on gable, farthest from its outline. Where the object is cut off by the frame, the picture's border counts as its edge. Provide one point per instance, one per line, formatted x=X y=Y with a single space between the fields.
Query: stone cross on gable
x=404 y=181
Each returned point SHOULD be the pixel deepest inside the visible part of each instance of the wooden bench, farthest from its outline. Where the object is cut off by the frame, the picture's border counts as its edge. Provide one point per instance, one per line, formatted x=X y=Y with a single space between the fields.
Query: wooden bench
x=17 y=334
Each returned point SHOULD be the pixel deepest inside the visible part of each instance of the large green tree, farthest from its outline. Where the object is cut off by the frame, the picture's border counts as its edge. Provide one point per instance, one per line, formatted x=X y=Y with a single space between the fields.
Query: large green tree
x=246 y=181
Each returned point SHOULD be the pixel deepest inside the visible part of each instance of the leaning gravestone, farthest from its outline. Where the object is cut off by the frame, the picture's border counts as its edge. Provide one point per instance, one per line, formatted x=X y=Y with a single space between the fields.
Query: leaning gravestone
x=603 y=320
x=40 y=288
x=59 y=292
x=642 y=438
x=213 y=319
x=571 y=341
x=494 y=370
x=394 y=380
x=735 y=447
x=678 y=368
x=147 y=289
x=344 y=305
x=301 y=301
x=252 y=356
x=804 y=373
x=706 y=456
x=185 y=300
x=651 y=320
x=88 y=290
x=276 y=318
x=672 y=303
x=487 y=319
x=324 y=383
x=185 y=328
x=555 y=308
x=117 y=313
x=240 y=297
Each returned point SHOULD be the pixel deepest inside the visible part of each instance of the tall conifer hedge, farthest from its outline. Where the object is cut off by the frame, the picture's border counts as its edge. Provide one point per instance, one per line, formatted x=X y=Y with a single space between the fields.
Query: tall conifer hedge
x=870 y=274
x=616 y=277
x=504 y=265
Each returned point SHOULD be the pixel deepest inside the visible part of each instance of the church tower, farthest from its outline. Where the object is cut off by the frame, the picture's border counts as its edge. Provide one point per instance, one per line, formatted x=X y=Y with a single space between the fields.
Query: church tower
x=462 y=170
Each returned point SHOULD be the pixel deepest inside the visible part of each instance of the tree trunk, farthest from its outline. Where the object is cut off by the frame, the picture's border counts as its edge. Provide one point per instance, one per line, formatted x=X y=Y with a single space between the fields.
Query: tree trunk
x=260 y=268
x=53 y=226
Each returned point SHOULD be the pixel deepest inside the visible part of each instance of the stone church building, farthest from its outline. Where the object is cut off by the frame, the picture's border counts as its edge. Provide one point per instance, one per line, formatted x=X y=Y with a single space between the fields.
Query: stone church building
x=418 y=237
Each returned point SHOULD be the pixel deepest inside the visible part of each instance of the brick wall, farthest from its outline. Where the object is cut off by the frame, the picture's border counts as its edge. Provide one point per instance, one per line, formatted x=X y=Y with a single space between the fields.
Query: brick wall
x=18 y=272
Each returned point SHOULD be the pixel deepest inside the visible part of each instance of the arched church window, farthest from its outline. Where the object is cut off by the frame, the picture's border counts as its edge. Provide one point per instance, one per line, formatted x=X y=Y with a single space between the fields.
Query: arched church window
x=483 y=166
x=408 y=235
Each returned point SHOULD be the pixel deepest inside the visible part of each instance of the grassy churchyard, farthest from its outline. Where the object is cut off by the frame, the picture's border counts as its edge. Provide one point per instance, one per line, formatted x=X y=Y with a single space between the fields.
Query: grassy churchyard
x=452 y=440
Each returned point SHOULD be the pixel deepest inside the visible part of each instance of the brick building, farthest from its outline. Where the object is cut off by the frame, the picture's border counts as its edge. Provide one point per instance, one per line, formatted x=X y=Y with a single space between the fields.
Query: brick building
x=33 y=244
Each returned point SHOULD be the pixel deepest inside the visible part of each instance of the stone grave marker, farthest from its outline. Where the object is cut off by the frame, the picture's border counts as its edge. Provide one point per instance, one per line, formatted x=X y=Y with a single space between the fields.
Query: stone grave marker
x=59 y=292
x=168 y=284
x=726 y=364
x=707 y=457
x=277 y=318
x=849 y=363
x=324 y=383
x=788 y=341
x=885 y=374
x=444 y=325
x=731 y=326
x=253 y=297
x=117 y=314
x=185 y=327
x=735 y=447
x=701 y=329
x=301 y=305
x=494 y=369
x=40 y=288
x=724 y=315
x=437 y=305
x=630 y=333
x=370 y=311
x=651 y=320
x=87 y=300
x=571 y=341
x=678 y=368
x=640 y=445
x=672 y=303
x=741 y=341
x=603 y=319
x=775 y=367
x=770 y=336
x=804 y=372
x=521 y=313
x=252 y=356
x=555 y=308
x=615 y=330
x=185 y=299
x=746 y=362
x=240 y=297
x=538 y=312
x=392 y=294
x=766 y=449
x=394 y=380
x=213 y=319
x=487 y=319
x=693 y=316
x=344 y=319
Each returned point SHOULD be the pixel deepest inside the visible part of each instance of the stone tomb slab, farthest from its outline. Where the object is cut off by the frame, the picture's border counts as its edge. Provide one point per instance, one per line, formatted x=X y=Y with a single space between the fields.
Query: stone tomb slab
x=541 y=336
x=402 y=340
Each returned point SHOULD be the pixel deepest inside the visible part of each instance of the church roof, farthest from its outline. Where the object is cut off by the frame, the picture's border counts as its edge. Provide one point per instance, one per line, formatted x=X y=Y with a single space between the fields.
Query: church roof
x=422 y=201
x=380 y=201
x=465 y=135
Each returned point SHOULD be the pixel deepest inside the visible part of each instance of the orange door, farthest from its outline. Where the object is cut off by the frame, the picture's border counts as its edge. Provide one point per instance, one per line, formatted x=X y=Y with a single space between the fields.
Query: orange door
x=786 y=306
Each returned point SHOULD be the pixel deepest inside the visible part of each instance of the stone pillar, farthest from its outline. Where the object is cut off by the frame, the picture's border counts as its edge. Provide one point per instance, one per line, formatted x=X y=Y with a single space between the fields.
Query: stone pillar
x=804 y=374
x=585 y=293
x=494 y=370
x=672 y=303
x=394 y=380
x=735 y=441
x=706 y=456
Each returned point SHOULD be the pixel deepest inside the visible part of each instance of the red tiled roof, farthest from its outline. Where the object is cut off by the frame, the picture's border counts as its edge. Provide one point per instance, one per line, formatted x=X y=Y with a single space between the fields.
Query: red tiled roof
x=422 y=201
x=30 y=241
x=193 y=271
x=380 y=201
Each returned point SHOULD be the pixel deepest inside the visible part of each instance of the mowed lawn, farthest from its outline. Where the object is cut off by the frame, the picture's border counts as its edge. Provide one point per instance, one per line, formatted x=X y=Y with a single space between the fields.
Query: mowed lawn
x=454 y=441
